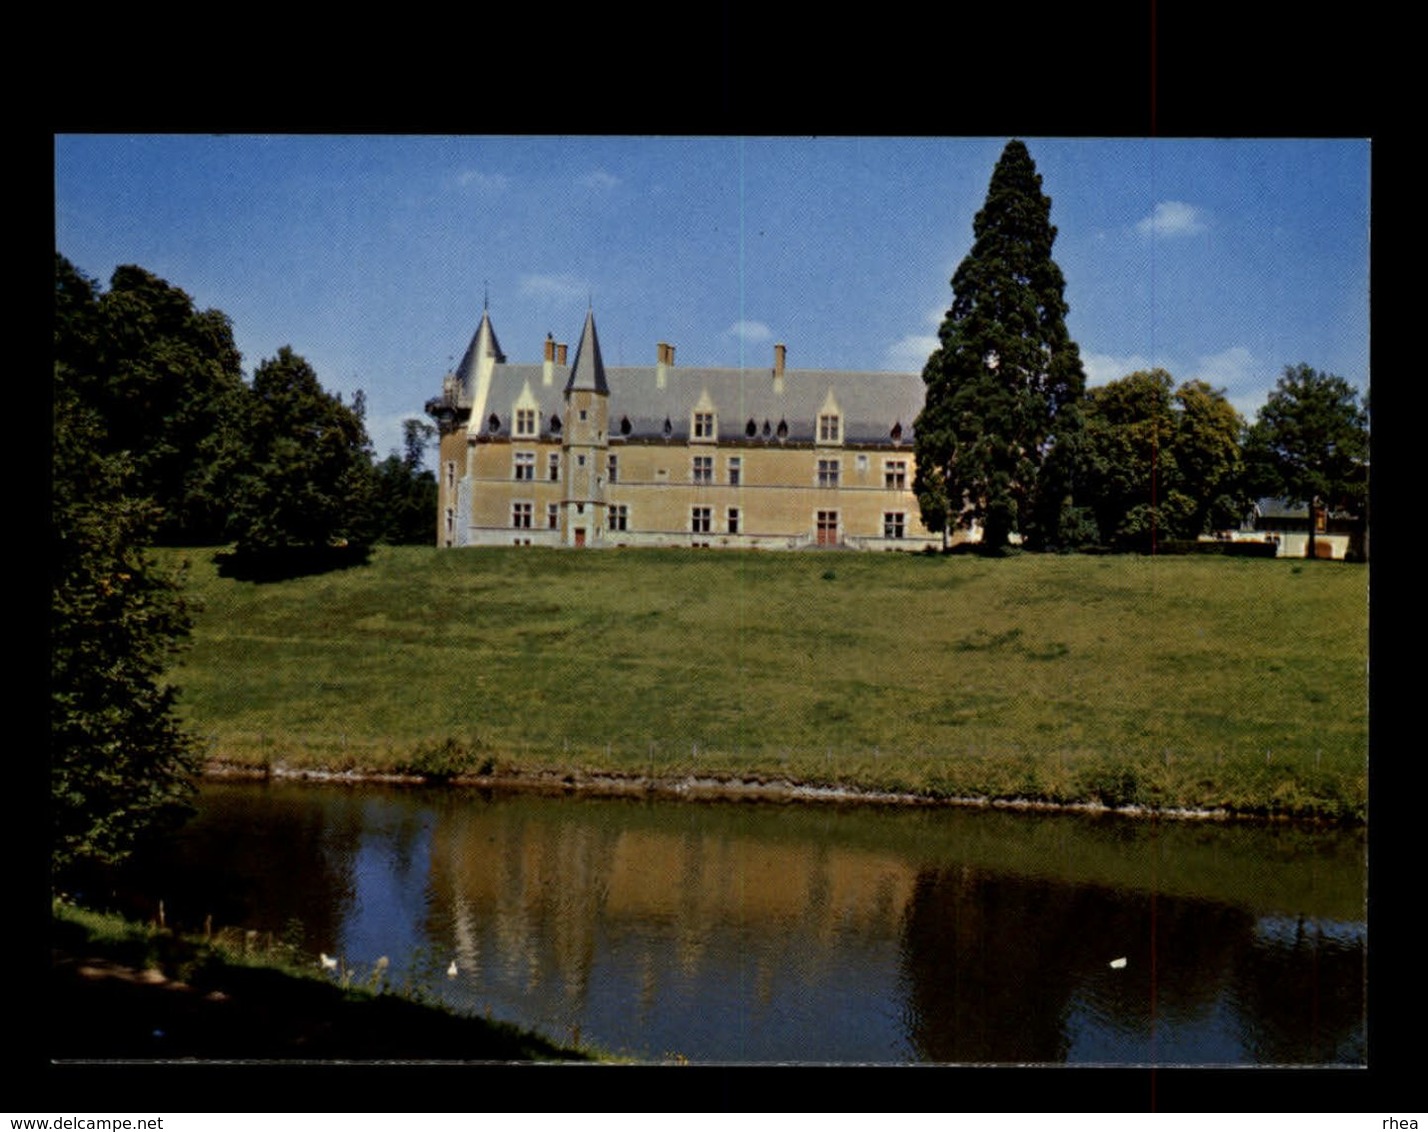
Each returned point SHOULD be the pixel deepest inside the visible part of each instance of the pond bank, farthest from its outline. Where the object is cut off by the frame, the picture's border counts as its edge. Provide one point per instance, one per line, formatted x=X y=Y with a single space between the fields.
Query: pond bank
x=749 y=788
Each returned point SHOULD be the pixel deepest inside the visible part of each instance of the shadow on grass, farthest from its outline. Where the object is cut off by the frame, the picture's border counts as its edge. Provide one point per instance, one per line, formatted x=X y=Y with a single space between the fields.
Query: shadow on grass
x=167 y=999
x=278 y=565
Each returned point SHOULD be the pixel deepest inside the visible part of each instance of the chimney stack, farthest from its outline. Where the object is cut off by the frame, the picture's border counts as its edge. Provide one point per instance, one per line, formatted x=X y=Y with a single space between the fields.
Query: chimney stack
x=664 y=360
x=780 y=353
x=560 y=353
x=547 y=376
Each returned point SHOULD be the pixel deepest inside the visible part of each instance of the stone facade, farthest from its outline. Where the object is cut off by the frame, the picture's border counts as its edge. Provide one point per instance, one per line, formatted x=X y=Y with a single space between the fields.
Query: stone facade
x=584 y=456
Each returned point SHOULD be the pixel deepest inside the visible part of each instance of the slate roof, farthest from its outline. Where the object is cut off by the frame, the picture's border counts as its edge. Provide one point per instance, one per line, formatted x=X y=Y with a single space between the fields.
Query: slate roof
x=588 y=370
x=873 y=404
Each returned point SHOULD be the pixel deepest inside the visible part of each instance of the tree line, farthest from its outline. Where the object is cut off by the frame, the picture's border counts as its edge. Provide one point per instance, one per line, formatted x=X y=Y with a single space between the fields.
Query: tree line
x=276 y=465
x=1011 y=441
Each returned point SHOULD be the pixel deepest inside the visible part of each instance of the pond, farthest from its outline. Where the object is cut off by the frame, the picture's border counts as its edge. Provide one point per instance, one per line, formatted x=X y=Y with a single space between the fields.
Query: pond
x=810 y=933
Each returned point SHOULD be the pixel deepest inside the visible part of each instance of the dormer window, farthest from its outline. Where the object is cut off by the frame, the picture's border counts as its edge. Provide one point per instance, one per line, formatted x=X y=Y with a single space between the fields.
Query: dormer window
x=782 y=430
x=703 y=426
x=668 y=426
x=830 y=428
x=625 y=426
x=896 y=433
x=554 y=423
x=525 y=422
x=751 y=429
x=494 y=423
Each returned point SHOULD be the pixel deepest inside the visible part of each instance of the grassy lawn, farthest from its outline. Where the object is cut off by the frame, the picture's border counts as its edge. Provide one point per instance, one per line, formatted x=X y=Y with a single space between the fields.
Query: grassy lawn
x=1173 y=681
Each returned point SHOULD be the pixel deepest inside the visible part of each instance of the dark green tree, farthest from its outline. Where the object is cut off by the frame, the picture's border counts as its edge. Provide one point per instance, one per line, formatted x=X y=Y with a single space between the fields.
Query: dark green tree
x=167 y=382
x=1309 y=444
x=1158 y=462
x=121 y=766
x=1209 y=435
x=406 y=489
x=306 y=492
x=1005 y=383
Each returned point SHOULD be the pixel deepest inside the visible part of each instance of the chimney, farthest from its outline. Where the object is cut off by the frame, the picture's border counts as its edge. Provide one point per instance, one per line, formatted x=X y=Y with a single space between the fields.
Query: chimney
x=547 y=376
x=560 y=353
x=780 y=352
x=663 y=364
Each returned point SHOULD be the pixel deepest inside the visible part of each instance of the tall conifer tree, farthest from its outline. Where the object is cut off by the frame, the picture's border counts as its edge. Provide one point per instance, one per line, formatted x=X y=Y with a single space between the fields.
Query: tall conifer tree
x=1004 y=386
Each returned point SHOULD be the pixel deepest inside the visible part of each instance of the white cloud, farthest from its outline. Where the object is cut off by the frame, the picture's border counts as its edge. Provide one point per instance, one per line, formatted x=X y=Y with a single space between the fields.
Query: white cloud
x=1172 y=218
x=910 y=352
x=1236 y=372
x=475 y=179
x=599 y=179
x=750 y=331
x=1231 y=369
x=1103 y=368
x=547 y=287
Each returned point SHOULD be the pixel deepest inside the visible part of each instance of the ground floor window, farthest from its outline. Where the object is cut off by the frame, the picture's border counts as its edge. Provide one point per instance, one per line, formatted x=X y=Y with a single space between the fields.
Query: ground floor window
x=827 y=528
x=894 y=524
x=733 y=520
x=619 y=517
x=552 y=516
x=521 y=515
x=700 y=521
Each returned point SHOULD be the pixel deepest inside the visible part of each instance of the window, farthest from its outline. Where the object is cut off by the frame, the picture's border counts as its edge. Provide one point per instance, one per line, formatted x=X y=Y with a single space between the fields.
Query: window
x=703 y=426
x=894 y=523
x=699 y=520
x=582 y=414
x=895 y=475
x=733 y=520
x=827 y=528
x=580 y=461
x=736 y=468
x=450 y=474
x=619 y=517
x=521 y=516
x=552 y=516
x=614 y=468
x=704 y=469
x=525 y=422
x=554 y=467
x=828 y=428
x=525 y=465
x=827 y=473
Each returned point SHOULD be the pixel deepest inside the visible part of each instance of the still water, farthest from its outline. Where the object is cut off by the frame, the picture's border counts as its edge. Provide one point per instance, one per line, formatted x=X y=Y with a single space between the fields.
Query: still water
x=741 y=933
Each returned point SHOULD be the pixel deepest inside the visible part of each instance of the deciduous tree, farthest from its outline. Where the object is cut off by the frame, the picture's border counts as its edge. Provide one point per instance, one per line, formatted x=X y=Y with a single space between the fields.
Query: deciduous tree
x=307 y=488
x=1309 y=443
x=120 y=764
x=406 y=489
x=1159 y=462
x=167 y=382
x=1005 y=383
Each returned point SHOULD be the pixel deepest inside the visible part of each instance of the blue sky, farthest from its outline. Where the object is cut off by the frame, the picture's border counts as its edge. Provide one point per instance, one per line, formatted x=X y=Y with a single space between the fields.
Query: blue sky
x=371 y=256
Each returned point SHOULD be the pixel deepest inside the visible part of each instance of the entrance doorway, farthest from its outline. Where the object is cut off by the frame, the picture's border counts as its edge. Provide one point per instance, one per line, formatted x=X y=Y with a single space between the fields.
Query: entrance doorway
x=579 y=536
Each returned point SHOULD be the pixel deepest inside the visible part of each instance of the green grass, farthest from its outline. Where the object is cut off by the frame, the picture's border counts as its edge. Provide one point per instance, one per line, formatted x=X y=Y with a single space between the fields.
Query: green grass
x=131 y=990
x=1167 y=682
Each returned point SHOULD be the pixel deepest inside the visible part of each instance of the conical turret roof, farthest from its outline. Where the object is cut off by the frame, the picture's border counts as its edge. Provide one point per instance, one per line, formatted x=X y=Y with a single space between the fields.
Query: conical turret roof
x=588 y=372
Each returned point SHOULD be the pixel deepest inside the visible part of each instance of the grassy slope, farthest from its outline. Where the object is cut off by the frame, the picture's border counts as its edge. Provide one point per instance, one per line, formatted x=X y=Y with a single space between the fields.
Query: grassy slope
x=126 y=990
x=1168 y=681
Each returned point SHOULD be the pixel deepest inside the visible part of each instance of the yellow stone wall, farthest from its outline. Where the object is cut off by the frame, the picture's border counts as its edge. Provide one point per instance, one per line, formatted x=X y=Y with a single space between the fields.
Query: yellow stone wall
x=778 y=497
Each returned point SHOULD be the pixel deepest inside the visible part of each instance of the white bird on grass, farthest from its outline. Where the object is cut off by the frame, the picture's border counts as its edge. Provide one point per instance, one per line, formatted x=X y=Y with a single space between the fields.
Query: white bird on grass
x=328 y=963
x=452 y=972
x=1118 y=963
